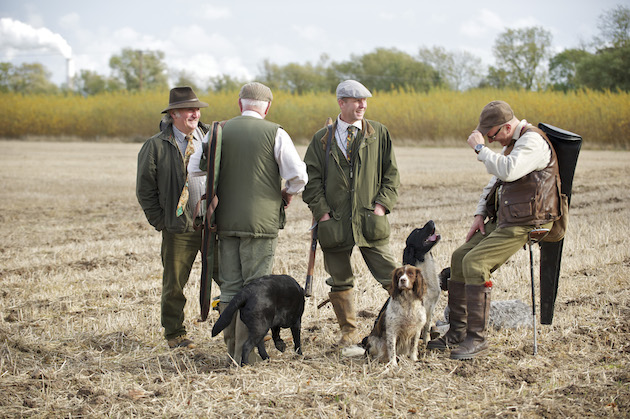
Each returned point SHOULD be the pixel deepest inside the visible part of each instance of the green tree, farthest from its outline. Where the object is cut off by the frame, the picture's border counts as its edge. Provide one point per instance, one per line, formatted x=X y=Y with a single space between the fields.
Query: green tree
x=298 y=78
x=28 y=78
x=563 y=69
x=389 y=69
x=89 y=82
x=225 y=83
x=614 y=28
x=520 y=54
x=606 y=70
x=459 y=70
x=186 y=78
x=140 y=70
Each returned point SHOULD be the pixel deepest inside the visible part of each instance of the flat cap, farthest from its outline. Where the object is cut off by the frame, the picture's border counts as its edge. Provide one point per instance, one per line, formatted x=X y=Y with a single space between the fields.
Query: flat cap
x=352 y=88
x=255 y=91
x=494 y=113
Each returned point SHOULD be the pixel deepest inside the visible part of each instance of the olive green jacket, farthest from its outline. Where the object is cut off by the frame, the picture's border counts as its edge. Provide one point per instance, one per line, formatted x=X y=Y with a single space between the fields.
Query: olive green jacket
x=350 y=200
x=159 y=182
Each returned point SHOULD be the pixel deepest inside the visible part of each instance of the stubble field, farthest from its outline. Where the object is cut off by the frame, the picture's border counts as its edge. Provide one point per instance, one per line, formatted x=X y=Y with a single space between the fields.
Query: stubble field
x=80 y=279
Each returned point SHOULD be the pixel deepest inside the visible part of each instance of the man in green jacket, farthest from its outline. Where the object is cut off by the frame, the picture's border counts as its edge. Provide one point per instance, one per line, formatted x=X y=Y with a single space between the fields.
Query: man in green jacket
x=351 y=199
x=168 y=197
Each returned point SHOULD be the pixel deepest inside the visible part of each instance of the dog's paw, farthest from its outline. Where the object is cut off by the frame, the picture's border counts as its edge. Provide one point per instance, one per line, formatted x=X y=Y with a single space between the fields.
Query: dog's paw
x=280 y=345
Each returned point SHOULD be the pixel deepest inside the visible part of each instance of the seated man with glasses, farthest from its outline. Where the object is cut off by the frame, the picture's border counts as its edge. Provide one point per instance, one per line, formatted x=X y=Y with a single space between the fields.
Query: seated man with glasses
x=523 y=194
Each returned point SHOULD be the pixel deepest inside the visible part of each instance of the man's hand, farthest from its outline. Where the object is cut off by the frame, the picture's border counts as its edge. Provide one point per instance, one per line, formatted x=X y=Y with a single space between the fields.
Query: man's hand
x=477 y=225
x=474 y=139
x=286 y=197
x=379 y=209
x=325 y=217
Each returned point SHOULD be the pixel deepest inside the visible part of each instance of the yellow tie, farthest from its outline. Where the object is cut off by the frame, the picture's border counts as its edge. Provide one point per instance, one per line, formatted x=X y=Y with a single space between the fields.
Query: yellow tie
x=351 y=133
x=183 y=199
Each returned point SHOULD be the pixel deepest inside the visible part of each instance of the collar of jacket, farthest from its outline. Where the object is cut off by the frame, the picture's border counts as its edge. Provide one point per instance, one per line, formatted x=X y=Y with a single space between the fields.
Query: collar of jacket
x=168 y=134
x=368 y=131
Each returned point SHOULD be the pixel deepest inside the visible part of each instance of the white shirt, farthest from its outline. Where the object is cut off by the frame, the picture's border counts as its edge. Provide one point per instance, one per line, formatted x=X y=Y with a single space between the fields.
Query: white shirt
x=341 y=134
x=292 y=168
x=531 y=152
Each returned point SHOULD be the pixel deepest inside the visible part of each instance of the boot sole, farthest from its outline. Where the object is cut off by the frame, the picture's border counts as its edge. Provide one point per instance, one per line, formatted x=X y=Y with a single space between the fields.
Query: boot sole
x=464 y=357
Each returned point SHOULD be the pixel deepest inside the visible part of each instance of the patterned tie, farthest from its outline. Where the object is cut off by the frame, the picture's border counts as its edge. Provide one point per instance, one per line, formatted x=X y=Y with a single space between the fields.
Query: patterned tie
x=183 y=199
x=352 y=131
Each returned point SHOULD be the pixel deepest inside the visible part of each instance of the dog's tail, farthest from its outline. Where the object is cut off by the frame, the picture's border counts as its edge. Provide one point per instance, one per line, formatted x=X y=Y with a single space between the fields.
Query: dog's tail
x=226 y=316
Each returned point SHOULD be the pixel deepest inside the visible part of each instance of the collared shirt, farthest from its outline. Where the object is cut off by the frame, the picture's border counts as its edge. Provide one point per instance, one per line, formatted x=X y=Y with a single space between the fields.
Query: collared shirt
x=531 y=152
x=197 y=183
x=341 y=134
x=292 y=168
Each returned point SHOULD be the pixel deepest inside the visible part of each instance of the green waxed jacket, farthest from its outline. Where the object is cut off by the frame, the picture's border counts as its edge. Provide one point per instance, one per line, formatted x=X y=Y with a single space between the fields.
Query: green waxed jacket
x=159 y=182
x=350 y=200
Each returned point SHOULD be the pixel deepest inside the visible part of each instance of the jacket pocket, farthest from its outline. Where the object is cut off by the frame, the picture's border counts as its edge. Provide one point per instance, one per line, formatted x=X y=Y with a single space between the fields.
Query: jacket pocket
x=330 y=233
x=375 y=227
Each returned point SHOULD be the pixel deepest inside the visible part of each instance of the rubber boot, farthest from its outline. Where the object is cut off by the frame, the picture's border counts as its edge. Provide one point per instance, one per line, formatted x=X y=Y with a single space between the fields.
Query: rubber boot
x=241 y=334
x=229 y=333
x=456 y=318
x=343 y=304
x=478 y=306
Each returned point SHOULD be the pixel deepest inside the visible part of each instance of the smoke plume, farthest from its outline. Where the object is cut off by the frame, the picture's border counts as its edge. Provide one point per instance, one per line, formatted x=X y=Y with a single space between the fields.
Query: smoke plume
x=18 y=36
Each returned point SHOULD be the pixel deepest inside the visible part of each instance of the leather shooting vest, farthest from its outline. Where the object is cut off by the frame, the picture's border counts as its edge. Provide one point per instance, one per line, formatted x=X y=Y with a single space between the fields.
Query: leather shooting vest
x=533 y=199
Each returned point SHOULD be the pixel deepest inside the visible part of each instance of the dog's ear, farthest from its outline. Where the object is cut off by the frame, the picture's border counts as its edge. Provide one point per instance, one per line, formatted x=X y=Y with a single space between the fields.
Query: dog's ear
x=419 y=286
x=393 y=287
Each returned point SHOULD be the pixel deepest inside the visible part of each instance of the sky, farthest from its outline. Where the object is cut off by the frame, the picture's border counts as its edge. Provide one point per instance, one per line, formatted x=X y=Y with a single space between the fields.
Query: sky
x=210 y=38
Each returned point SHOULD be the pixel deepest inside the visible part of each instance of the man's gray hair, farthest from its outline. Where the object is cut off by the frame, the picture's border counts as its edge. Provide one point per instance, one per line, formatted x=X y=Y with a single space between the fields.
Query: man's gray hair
x=253 y=104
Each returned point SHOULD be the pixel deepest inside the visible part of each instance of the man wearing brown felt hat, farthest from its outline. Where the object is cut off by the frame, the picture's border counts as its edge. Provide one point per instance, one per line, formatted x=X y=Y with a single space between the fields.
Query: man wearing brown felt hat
x=168 y=197
x=523 y=194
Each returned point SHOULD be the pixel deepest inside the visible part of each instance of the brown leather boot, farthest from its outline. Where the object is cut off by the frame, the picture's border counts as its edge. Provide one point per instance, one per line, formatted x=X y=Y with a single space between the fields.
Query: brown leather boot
x=478 y=306
x=343 y=304
x=456 y=317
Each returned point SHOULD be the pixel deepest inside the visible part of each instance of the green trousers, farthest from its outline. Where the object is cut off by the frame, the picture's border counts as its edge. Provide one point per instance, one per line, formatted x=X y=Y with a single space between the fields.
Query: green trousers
x=474 y=261
x=179 y=251
x=379 y=261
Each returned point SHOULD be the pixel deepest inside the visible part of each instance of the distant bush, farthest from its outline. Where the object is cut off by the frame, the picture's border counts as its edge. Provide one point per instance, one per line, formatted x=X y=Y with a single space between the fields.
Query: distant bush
x=601 y=118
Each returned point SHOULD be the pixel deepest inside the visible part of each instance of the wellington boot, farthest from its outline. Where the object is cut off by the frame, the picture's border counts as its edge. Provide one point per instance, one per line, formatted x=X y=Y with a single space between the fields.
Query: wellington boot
x=478 y=306
x=343 y=304
x=456 y=317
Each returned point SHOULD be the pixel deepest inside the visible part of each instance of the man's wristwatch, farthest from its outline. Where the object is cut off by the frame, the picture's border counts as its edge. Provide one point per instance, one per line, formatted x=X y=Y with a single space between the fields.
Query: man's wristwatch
x=478 y=148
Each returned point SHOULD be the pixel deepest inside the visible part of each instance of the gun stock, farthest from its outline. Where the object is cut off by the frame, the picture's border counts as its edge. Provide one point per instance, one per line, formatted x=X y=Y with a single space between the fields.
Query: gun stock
x=308 y=285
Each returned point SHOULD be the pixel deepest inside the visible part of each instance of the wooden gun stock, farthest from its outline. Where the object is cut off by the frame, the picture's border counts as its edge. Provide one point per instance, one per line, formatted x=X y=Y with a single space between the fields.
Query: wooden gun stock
x=308 y=285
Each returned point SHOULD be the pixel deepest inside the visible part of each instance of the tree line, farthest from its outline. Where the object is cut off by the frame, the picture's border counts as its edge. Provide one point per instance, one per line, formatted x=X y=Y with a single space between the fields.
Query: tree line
x=523 y=57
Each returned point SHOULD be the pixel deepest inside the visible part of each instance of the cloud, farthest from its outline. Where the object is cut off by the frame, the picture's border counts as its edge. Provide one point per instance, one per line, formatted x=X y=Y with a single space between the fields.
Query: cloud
x=16 y=35
x=214 y=13
x=310 y=32
x=482 y=24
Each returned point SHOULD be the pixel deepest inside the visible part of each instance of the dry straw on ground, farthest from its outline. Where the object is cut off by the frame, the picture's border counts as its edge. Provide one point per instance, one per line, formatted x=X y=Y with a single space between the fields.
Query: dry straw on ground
x=79 y=304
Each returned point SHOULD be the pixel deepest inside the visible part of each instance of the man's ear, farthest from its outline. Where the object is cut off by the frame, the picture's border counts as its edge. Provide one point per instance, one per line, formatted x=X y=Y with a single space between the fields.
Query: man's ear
x=268 y=106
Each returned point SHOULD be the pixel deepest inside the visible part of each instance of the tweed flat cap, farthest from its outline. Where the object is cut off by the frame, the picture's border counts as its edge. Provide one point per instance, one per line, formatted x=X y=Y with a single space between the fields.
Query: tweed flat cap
x=352 y=88
x=256 y=91
x=494 y=113
x=183 y=97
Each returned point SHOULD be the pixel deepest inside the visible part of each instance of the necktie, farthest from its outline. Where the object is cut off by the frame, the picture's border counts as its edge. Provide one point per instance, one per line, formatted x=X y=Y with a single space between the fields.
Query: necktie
x=352 y=130
x=183 y=198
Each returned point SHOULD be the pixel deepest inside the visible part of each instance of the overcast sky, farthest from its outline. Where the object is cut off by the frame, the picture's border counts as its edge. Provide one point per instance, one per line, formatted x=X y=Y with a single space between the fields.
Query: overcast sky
x=210 y=38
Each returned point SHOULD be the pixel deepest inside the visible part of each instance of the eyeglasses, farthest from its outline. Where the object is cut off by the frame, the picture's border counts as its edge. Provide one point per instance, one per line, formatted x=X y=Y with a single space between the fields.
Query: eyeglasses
x=496 y=133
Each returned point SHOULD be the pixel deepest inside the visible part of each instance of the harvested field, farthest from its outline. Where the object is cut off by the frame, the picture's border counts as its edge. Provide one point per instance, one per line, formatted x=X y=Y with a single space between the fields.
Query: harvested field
x=80 y=331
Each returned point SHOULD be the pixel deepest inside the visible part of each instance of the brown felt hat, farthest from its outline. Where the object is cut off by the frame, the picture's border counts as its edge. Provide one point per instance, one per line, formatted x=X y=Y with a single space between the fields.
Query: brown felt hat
x=183 y=97
x=494 y=113
x=256 y=91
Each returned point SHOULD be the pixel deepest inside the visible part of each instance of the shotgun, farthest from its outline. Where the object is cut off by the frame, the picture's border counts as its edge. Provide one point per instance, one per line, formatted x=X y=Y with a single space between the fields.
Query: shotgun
x=308 y=285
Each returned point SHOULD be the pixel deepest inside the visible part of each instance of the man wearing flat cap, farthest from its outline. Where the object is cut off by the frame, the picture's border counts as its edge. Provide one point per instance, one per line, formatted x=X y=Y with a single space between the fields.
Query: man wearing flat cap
x=353 y=185
x=523 y=194
x=256 y=155
x=168 y=197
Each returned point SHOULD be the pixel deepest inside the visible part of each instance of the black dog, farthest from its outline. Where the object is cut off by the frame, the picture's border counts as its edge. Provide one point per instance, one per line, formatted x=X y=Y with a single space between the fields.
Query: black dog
x=271 y=302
